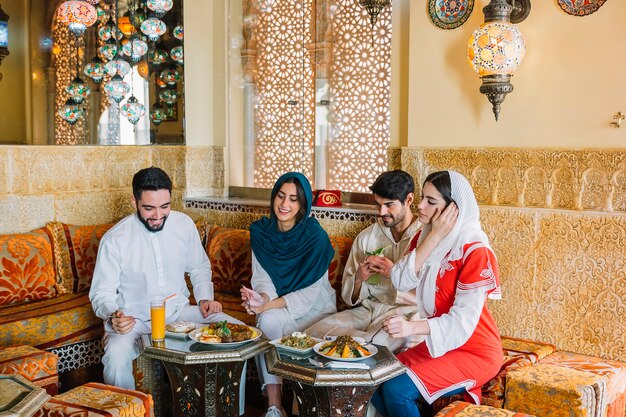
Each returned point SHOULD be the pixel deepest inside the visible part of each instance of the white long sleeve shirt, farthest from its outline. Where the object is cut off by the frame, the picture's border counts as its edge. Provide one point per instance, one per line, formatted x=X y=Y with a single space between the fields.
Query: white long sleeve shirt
x=375 y=237
x=305 y=305
x=135 y=266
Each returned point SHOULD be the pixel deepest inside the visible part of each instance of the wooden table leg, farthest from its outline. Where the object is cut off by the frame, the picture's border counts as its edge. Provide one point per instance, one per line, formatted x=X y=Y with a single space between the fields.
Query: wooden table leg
x=339 y=401
x=210 y=389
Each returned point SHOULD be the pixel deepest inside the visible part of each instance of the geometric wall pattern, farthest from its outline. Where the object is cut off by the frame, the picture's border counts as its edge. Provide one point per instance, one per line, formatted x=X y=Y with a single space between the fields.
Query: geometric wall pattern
x=359 y=80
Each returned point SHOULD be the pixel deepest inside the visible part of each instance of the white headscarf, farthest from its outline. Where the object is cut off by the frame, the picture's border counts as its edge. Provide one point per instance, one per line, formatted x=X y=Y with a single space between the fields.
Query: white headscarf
x=466 y=230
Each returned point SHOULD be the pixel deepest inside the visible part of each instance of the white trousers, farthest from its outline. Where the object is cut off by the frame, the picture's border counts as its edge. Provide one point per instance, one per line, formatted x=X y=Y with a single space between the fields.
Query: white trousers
x=121 y=349
x=274 y=323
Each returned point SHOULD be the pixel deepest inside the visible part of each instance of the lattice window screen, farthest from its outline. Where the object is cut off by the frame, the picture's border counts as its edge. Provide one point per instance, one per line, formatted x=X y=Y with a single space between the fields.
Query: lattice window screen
x=360 y=96
x=360 y=88
x=284 y=111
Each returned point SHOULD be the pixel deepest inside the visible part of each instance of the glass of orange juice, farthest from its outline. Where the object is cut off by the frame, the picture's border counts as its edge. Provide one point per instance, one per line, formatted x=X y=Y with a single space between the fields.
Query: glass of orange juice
x=157 y=317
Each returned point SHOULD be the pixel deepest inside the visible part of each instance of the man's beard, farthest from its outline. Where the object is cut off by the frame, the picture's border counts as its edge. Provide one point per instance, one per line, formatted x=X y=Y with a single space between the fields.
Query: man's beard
x=392 y=221
x=147 y=225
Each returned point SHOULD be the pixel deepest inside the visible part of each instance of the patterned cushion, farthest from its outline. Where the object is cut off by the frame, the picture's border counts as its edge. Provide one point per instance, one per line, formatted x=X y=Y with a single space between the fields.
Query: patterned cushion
x=460 y=408
x=26 y=268
x=493 y=391
x=549 y=390
x=35 y=365
x=45 y=324
x=231 y=260
x=613 y=372
x=94 y=399
x=533 y=350
x=342 y=247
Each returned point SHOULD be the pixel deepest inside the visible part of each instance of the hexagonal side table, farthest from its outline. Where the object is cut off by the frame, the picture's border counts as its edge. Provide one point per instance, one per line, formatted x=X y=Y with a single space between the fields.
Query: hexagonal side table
x=19 y=397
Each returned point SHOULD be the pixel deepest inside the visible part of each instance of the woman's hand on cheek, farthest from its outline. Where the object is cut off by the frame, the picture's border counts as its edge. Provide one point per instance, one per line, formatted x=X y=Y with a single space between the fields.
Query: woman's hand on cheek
x=443 y=222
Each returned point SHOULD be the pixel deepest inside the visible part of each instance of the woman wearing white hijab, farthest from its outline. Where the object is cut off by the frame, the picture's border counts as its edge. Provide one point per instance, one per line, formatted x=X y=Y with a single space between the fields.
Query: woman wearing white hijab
x=453 y=271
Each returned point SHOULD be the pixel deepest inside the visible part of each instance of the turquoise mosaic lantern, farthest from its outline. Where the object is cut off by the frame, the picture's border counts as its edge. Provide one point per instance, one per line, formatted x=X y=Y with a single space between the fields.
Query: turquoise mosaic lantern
x=78 y=90
x=133 y=110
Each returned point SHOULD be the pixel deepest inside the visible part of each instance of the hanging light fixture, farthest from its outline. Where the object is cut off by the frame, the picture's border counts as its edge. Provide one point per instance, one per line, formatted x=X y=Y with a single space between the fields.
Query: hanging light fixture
x=178 y=32
x=77 y=15
x=117 y=66
x=497 y=48
x=153 y=28
x=177 y=54
x=109 y=49
x=157 y=56
x=135 y=48
x=170 y=76
x=107 y=31
x=374 y=7
x=117 y=88
x=95 y=70
x=169 y=96
x=78 y=90
x=133 y=110
x=160 y=7
x=157 y=114
x=71 y=112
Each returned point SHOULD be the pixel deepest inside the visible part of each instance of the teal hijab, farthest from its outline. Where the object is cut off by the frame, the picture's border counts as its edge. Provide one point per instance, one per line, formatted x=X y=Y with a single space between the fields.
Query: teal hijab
x=297 y=258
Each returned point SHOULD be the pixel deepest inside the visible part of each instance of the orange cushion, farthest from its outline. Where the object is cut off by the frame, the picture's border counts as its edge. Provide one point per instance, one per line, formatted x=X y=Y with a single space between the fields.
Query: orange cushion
x=342 y=247
x=35 y=365
x=231 y=259
x=26 y=268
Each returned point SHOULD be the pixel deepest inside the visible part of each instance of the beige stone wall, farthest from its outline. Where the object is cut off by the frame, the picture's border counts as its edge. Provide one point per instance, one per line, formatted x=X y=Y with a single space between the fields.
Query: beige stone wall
x=92 y=184
x=557 y=222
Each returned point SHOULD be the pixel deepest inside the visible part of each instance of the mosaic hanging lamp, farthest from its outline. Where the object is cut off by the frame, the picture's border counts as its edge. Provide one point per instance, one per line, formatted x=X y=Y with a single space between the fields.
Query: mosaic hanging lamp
x=169 y=96
x=107 y=31
x=95 y=70
x=77 y=15
x=117 y=66
x=109 y=50
x=153 y=28
x=157 y=114
x=157 y=56
x=374 y=7
x=71 y=112
x=170 y=76
x=133 y=110
x=135 y=49
x=178 y=32
x=495 y=50
x=177 y=54
x=117 y=88
x=78 y=90
x=160 y=7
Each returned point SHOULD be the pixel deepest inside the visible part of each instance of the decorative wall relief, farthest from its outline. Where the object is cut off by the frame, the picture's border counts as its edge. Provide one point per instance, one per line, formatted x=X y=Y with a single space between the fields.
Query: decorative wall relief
x=449 y=14
x=557 y=223
x=580 y=7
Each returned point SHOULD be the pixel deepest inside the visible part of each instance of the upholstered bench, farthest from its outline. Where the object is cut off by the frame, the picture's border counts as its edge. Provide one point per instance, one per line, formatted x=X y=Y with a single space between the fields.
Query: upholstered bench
x=532 y=350
x=555 y=391
x=94 y=399
x=37 y=366
x=612 y=372
x=461 y=408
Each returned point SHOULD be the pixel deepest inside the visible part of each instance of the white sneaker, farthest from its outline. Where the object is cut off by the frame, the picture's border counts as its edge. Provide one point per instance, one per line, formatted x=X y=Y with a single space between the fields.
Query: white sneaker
x=274 y=411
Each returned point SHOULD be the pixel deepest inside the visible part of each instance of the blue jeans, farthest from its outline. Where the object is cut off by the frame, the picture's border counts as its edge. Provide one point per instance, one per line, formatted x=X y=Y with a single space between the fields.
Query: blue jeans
x=398 y=397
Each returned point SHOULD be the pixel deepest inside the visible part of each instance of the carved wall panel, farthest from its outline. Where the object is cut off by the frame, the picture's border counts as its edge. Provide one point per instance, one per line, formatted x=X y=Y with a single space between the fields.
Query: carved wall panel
x=557 y=222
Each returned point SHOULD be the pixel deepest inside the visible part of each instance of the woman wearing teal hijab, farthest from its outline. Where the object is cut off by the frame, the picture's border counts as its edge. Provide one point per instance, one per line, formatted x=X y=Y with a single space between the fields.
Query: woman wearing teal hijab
x=291 y=254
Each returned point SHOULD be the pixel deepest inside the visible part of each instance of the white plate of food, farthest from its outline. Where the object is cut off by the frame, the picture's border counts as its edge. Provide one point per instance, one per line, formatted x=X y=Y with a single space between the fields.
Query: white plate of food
x=179 y=329
x=298 y=343
x=215 y=335
x=345 y=348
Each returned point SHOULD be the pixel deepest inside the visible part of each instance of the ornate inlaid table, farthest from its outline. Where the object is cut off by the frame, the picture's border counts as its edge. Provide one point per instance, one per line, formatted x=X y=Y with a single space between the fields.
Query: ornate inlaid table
x=19 y=397
x=324 y=392
x=205 y=380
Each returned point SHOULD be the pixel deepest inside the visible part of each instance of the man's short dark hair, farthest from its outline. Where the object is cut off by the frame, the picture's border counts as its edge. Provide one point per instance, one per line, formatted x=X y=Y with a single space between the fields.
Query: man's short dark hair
x=393 y=185
x=150 y=179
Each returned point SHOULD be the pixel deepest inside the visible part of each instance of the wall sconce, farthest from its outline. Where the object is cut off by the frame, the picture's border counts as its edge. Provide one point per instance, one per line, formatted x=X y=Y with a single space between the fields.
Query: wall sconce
x=497 y=48
x=4 y=35
x=374 y=7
